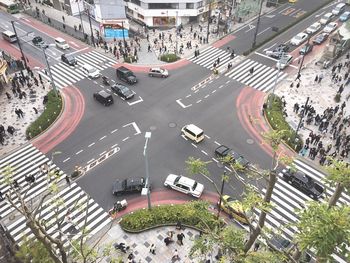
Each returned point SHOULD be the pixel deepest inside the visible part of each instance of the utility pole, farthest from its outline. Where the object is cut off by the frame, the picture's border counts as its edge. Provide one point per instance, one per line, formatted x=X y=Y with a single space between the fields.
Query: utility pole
x=209 y=12
x=177 y=33
x=19 y=44
x=302 y=116
x=148 y=183
x=50 y=75
x=218 y=23
x=123 y=34
x=257 y=24
x=276 y=80
x=92 y=33
x=302 y=59
x=221 y=193
x=81 y=19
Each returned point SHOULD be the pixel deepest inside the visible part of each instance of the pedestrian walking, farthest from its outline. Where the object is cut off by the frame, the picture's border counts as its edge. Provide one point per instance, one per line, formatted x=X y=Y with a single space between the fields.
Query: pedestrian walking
x=251 y=71
x=21 y=112
x=175 y=256
x=67 y=180
x=256 y=245
x=180 y=238
x=35 y=110
x=316 y=79
x=8 y=95
x=152 y=249
x=17 y=113
x=63 y=19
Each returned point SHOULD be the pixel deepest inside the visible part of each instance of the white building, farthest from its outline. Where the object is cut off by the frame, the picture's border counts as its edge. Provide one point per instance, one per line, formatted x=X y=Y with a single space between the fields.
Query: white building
x=158 y=13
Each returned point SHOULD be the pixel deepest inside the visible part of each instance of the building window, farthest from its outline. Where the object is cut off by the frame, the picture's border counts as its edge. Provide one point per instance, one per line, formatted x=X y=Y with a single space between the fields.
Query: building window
x=140 y=16
x=163 y=5
x=199 y=4
x=136 y=2
x=189 y=5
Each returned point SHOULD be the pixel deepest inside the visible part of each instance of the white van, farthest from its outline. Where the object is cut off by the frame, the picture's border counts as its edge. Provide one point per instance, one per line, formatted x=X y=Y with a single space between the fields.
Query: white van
x=9 y=36
x=338 y=9
x=193 y=133
x=61 y=43
x=326 y=18
x=90 y=71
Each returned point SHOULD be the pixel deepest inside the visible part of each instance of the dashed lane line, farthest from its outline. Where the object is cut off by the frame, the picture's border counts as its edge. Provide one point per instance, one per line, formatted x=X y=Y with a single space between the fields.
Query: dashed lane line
x=79 y=152
x=91 y=144
x=204 y=152
x=103 y=137
x=195 y=146
x=125 y=139
x=115 y=145
x=67 y=159
x=102 y=153
x=114 y=131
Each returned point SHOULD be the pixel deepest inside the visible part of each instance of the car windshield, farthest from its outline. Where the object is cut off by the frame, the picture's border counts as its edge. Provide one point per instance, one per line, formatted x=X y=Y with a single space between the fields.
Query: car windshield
x=298 y=38
x=91 y=70
x=284 y=60
x=194 y=186
x=124 y=89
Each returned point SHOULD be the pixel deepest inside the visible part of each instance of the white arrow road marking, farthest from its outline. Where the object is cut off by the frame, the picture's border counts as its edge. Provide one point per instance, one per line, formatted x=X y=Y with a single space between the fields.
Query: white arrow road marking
x=183 y=105
x=73 y=43
x=270 y=16
x=269 y=47
x=250 y=28
x=265 y=56
x=132 y=103
x=137 y=129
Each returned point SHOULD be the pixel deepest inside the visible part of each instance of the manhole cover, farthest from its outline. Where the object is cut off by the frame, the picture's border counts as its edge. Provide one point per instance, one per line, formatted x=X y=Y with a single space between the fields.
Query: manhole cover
x=250 y=141
x=172 y=125
x=153 y=128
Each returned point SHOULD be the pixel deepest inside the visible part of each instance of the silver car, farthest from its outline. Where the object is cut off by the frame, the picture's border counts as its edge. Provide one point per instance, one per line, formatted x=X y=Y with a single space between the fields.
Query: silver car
x=158 y=72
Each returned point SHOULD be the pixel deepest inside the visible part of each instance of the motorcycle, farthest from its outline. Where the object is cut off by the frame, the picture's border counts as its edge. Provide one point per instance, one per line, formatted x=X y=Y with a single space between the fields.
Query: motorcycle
x=105 y=81
x=121 y=246
x=117 y=207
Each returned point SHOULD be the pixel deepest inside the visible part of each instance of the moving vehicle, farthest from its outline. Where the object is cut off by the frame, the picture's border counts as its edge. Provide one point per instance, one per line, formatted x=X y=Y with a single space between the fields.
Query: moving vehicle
x=303 y=182
x=319 y=39
x=158 y=72
x=222 y=151
x=235 y=209
x=69 y=59
x=10 y=6
x=299 y=39
x=122 y=91
x=330 y=27
x=338 y=9
x=104 y=98
x=126 y=75
x=117 y=207
x=326 y=18
x=278 y=51
x=90 y=71
x=9 y=36
x=39 y=42
x=284 y=61
x=61 y=43
x=307 y=48
x=129 y=185
x=193 y=133
x=184 y=184
x=345 y=16
x=313 y=28
x=279 y=243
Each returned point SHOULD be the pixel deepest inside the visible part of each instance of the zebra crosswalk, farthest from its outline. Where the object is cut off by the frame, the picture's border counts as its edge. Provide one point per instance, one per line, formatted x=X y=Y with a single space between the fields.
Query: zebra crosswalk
x=71 y=205
x=263 y=77
x=65 y=75
x=286 y=199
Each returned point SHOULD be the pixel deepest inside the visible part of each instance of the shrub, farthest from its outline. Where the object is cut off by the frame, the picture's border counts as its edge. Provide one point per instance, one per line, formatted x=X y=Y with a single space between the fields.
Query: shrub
x=192 y=214
x=337 y=98
x=130 y=59
x=169 y=57
x=52 y=110
x=278 y=122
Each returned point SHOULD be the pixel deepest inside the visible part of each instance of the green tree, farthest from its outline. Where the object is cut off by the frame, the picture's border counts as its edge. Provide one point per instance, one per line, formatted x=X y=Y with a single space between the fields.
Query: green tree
x=323 y=229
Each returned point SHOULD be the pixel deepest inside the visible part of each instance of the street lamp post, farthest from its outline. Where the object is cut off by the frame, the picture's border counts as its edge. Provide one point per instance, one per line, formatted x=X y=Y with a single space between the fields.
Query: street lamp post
x=81 y=19
x=147 y=185
x=221 y=165
x=209 y=13
x=49 y=70
x=19 y=44
x=123 y=34
x=276 y=81
x=302 y=59
x=257 y=24
x=92 y=33
x=177 y=32
x=302 y=116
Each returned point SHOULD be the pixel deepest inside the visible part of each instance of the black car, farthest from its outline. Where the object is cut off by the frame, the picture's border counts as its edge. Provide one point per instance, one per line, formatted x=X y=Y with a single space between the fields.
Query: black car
x=278 y=51
x=126 y=75
x=307 y=48
x=39 y=42
x=303 y=182
x=129 y=185
x=69 y=59
x=124 y=92
x=319 y=39
x=104 y=98
x=223 y=151
x=279 y=243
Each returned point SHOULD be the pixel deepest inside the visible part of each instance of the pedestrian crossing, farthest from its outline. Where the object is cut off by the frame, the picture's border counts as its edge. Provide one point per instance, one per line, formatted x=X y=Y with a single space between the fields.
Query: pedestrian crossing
x=65 y=75
x=73 y=206
x=286 y=199
x=263 y=77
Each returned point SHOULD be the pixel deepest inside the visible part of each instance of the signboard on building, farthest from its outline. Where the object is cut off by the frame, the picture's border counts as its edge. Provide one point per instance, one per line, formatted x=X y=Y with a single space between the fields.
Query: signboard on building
x=115 y=31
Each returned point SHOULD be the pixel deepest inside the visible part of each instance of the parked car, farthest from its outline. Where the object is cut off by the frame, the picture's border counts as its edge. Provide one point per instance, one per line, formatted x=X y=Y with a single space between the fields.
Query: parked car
x=235 y=209
x=284 y=61
x=126 y=75
x=184 y=184
x=222 y=151
x=345 y=16
x=278 y=51
x=122 y=91
x=307 y=48
x=303 y=182
x=326 y=18
x=158 y=72
x=69 y=59
x=129 y=185
x=330 y=27
x=299 y=39
x=103 y=97
x=313 y=28
x=319 y=39
x=39 y=42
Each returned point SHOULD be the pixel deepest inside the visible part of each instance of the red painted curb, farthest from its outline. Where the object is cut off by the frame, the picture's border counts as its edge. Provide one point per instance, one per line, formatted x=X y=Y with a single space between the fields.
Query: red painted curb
x=74 y=107
x=223 y=41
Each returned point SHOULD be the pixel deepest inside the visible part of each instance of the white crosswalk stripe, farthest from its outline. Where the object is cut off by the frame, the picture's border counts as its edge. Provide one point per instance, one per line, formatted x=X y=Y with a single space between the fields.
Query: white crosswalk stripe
x=75 y=202
x=263 y=77
x=286 y=199
x=65 y=75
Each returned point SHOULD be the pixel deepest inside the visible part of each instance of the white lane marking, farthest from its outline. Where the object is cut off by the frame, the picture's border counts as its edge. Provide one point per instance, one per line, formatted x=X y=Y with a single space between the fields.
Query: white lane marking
x=265 y=56
x=250 y=28
x=135 y=102
x=102 y=153
x=204 y=152
x=209 y=82
x=221 y=86
x=264 y=31
x=213 y=91
x=102 y=138
x=196 y=91
x=189 y=95
x=137 y=129
x=125 y=139
x=198 y=101
x=183 y=105
x=269 y=47
x=195 y=146
x=217 y=143
x=65 y=160
x=215 y=160
x=227 y=82
x=228 y=169
x=115 y=145
x=183 y=136
x=206 y=136
x=77 y=51
x=293 y=66
x=114 y=131
x=79 y=152
x=91 y=144
x=74 y=44
x=206 y=96
x=91 y=160
x=297 y=58
x=284 y=9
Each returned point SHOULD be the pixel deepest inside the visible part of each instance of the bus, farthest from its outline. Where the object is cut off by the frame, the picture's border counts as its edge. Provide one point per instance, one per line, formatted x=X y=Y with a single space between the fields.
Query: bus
x=10 y=6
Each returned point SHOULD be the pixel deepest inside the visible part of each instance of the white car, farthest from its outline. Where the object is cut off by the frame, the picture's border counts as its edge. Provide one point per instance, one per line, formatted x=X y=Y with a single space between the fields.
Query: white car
x=326 y=18
x=299 y=39
x=184 y=184
x=284 y=61
x=330 y=27
x=314 y=28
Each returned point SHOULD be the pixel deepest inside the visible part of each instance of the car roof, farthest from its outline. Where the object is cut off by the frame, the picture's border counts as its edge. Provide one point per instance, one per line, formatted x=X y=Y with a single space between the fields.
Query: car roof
x=302 y=34
x=328 y=14
x=104 y=93
x=155 y=69
x=316 y=24
x=134 y=181
x=194 y=128
x=186 y=181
